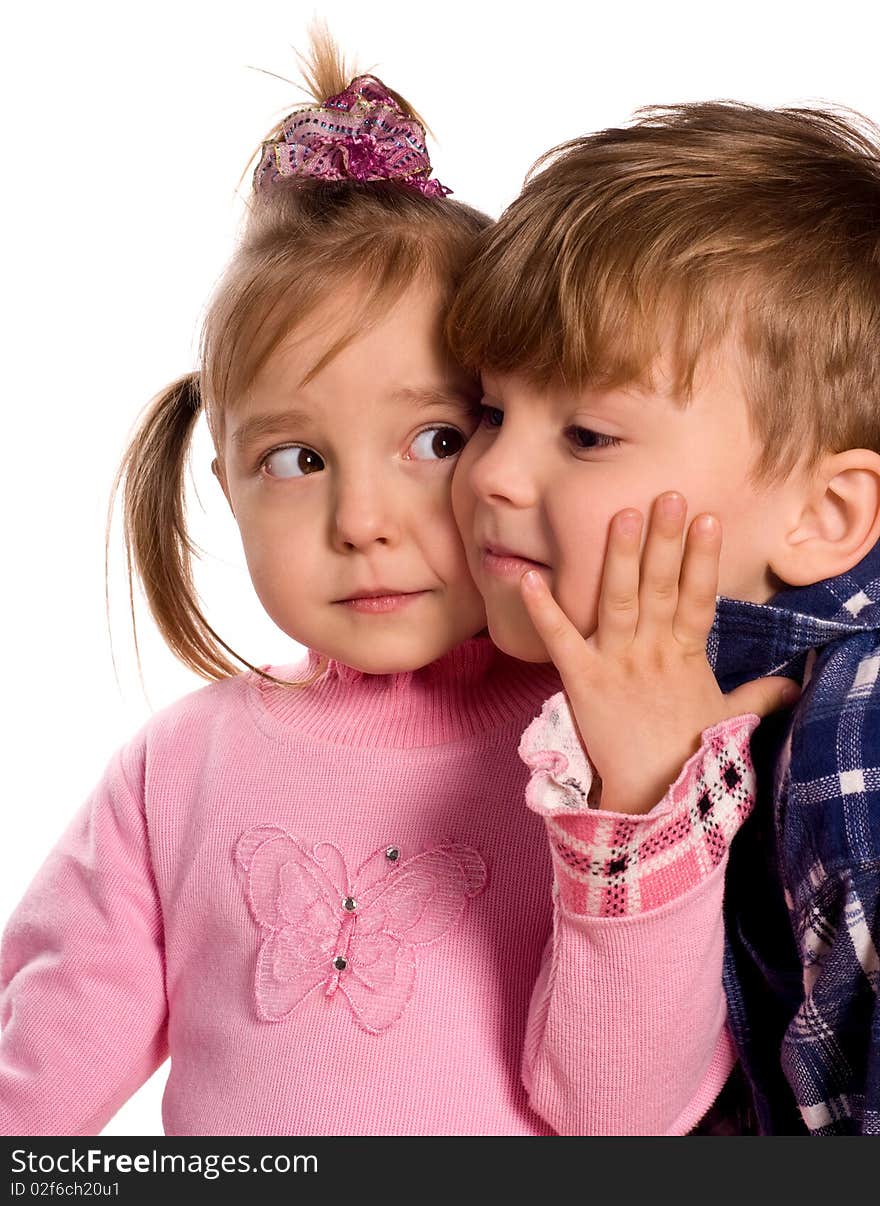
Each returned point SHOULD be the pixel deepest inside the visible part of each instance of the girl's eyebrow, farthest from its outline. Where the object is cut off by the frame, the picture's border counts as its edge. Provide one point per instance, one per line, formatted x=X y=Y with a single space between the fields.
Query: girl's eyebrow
x=256 y=426
x=261 y=425
x=424 y=398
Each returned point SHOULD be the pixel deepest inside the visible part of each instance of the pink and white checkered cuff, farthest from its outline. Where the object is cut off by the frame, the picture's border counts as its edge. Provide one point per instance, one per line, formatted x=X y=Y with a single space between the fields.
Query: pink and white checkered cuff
x=611 y=864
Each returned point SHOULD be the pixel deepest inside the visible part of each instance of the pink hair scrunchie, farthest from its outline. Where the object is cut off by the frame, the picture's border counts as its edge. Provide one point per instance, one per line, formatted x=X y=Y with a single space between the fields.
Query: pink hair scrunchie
x=360 y=134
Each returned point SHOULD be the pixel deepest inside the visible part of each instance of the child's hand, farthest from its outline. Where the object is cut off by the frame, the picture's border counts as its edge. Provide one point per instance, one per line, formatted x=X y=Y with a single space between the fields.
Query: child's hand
x=640 y=686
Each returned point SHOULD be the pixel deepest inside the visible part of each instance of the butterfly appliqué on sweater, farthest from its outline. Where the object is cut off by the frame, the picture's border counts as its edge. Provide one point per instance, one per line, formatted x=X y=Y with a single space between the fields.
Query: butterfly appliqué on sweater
x=351 y=935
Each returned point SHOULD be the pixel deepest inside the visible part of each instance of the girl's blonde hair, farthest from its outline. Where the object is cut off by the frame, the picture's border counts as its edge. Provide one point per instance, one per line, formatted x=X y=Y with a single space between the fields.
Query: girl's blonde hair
x=302 y=239
x=697 y=223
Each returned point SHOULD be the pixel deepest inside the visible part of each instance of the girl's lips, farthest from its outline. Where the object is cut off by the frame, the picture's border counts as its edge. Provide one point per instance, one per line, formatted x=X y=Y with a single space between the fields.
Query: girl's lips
x=508 y=565
x=377 y=604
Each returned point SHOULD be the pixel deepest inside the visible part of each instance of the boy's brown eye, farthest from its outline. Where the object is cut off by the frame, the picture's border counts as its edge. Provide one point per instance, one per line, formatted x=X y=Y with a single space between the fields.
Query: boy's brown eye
x=584 y=437
x=491 y=416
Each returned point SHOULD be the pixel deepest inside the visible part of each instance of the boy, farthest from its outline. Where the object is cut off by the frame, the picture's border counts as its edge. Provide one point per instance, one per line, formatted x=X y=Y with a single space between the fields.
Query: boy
x=692 y=303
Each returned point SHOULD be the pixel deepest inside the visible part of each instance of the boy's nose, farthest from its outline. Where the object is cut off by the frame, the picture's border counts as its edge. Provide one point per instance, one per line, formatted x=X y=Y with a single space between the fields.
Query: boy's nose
x=500 y=474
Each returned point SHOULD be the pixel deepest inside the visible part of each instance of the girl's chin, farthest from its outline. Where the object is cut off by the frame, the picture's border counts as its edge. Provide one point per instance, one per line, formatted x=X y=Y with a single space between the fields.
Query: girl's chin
x=388 y=661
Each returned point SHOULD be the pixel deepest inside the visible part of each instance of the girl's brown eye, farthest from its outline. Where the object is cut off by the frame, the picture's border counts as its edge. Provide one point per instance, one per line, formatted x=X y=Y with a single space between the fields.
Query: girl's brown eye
x=437 y=443
x=294 y=461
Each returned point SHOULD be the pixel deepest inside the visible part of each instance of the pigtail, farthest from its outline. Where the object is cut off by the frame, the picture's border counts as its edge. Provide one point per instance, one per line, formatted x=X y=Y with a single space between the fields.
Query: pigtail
x=158 y=547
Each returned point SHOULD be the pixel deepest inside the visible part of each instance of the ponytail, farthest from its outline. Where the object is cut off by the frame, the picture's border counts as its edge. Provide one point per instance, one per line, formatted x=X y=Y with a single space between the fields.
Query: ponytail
x=158 y=548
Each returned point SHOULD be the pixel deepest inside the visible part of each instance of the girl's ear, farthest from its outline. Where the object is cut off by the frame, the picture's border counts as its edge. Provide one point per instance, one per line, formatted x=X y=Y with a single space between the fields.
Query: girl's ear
x=839 y=522
x=220 y=473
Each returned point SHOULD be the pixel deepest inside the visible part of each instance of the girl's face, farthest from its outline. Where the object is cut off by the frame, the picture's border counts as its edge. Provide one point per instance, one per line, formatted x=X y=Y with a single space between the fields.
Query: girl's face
x=341 y=488
x=548 y=469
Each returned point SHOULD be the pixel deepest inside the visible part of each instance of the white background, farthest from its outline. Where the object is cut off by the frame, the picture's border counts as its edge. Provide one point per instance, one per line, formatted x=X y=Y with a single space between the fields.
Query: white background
x=125 y=131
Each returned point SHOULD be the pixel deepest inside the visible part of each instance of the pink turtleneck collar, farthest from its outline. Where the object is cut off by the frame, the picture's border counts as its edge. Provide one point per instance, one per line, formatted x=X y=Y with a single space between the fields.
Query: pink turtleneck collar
x=471 y=689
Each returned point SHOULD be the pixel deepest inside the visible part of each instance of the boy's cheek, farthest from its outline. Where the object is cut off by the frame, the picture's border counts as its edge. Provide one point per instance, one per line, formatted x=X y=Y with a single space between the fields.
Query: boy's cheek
x=463 y=500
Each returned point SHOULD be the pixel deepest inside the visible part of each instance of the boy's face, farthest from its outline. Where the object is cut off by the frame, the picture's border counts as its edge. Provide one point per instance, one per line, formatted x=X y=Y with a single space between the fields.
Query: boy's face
x=547 y=469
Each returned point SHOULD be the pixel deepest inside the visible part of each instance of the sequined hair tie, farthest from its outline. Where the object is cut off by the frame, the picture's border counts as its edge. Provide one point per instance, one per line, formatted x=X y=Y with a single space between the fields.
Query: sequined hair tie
x=360 y=134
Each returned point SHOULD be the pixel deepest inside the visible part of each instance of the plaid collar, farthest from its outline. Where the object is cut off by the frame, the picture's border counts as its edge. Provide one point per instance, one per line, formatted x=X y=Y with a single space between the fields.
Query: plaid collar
x=750 y=640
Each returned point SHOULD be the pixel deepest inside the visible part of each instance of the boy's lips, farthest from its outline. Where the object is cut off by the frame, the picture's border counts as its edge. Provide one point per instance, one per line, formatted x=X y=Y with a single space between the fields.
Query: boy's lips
x=504 y=562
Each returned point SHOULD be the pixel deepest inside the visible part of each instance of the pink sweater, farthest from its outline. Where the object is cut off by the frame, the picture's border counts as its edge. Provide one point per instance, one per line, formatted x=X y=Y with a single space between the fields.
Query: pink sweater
x=331 y=907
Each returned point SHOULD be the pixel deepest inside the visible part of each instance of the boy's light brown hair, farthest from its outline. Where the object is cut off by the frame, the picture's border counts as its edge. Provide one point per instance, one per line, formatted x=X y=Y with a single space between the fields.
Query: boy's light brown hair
x=696 y=223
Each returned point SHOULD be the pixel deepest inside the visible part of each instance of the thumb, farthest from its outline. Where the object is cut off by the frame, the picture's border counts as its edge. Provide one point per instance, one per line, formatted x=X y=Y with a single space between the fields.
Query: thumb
x=763 y=696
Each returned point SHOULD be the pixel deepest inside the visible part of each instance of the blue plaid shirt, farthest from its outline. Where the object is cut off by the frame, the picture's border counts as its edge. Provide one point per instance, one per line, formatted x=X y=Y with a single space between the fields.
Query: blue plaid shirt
x=802 y=896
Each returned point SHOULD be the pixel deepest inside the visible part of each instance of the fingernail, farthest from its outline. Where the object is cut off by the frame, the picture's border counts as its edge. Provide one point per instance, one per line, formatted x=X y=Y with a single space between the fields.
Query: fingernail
x=706 y=524
x=672 y=504
x=629 y=522
x=530 y=579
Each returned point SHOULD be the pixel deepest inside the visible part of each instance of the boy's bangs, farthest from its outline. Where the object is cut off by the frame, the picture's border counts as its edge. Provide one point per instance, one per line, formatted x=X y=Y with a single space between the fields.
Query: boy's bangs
x=606 y=327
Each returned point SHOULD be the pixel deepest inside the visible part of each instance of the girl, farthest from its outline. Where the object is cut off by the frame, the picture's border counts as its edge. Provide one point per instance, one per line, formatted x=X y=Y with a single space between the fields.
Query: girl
x=314 y=886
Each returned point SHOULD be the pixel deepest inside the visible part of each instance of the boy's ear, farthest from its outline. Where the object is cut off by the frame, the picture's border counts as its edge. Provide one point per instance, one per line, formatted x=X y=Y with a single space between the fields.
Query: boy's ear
x=839 y=521
x=220 y=473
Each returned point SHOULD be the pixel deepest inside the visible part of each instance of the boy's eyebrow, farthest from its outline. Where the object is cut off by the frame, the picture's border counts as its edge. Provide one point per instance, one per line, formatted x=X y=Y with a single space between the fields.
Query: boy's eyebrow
x=620 y=412
x=265 y=424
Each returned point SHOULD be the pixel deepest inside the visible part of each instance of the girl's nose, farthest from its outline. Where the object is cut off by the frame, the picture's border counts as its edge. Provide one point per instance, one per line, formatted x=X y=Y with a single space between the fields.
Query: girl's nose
x=365 y=515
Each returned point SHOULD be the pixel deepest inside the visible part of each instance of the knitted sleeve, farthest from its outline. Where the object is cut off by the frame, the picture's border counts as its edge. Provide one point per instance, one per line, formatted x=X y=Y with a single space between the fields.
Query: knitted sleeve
x=82 y=993
x=627 y=1027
